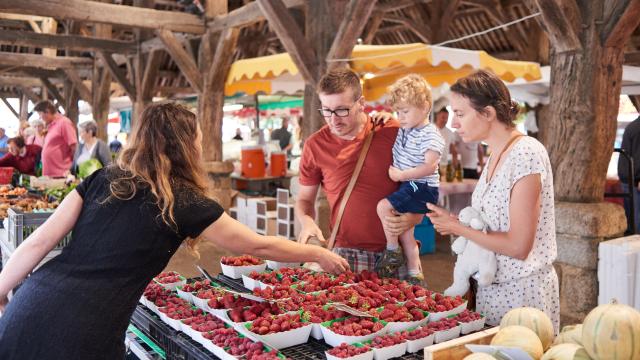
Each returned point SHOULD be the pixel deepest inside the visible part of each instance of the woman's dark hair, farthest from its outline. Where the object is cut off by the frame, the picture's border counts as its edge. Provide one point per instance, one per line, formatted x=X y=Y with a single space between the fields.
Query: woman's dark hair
x=18 y=140
x=484 y=88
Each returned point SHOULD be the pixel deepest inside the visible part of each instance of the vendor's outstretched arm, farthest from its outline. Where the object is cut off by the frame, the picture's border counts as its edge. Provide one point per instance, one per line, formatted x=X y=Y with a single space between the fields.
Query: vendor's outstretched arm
x=29 y=254
x=524 y=211
x=305 y=210
x=232 y=235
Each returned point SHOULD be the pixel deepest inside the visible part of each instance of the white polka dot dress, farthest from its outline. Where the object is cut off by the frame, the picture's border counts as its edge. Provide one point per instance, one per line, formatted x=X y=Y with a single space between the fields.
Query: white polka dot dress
x=532 y=282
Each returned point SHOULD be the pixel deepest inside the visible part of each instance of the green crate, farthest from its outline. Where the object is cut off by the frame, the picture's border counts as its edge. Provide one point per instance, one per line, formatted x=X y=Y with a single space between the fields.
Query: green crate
x=21 y=225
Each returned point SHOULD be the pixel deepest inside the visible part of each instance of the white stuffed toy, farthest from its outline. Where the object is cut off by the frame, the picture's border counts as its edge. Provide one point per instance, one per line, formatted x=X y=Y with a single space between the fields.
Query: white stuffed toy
x=472 y=258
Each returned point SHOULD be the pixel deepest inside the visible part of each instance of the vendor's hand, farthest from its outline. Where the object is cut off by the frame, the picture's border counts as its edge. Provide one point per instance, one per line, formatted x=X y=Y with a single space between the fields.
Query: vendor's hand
x=310 y=230
x=395 y=174
x=381 y=117
x=443 y=221
x=397 y=224
x=332 y=262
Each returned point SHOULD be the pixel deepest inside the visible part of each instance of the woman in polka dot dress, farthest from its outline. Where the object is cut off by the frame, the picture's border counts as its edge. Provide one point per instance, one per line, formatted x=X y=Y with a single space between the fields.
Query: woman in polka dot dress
x=515 y=193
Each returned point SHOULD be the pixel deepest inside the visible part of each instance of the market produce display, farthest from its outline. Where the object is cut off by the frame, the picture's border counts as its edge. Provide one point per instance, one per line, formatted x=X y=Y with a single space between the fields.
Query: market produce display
x=288 y=300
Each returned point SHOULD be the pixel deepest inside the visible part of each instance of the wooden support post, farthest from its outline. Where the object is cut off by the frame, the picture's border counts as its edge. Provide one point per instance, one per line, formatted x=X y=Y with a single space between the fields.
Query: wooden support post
x=11 y=108
x=442 y=13
x=355 y=19
x=71 y=107
x=49 y=26
x=82 y=89
x=101 y=87
x=374 y=25
x=118 y=74
x=182 y=58
x=212 y=97
x=24 y=107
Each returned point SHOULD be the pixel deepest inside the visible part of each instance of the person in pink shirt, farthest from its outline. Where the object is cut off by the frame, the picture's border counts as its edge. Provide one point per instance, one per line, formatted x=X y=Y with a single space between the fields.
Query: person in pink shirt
x=60 y=142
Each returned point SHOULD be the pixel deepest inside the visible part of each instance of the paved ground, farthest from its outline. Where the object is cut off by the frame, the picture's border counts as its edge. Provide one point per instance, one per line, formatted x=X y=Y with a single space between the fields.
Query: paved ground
x=438 y=267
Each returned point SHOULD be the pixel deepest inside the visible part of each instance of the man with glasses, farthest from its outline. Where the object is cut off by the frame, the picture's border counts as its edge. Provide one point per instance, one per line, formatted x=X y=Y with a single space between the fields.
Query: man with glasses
x=329 y=159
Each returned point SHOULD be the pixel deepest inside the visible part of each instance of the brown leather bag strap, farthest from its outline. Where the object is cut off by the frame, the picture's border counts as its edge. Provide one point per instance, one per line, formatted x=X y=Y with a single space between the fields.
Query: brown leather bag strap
x=352 y=183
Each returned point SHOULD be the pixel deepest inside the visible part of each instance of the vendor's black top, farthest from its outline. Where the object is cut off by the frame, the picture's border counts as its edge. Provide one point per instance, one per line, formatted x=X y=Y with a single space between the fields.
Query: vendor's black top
x=78 y=305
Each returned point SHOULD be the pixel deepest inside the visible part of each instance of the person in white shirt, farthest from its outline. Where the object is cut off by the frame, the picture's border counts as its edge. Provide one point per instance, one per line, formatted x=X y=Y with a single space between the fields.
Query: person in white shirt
x=472 y=157
x=442 y=117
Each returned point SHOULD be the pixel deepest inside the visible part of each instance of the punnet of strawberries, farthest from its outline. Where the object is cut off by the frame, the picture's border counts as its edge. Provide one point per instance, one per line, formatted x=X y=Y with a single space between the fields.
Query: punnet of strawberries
x=276 y=324
x=346 y=351
x=467 y=316
x=204 y=323
x=317 y=314
x=171 y=300
x=387 y=340
x=221 y=337
x=418 y=333
x=354 y=326
x=398 y=313
x=155 y=291
x=263 y=309
x=278 y=292
x=242 y=260
x=444 y=324
x=230 y=301
x=273 y=278
x=446 y=303
x=168 y=277
x=197 y=285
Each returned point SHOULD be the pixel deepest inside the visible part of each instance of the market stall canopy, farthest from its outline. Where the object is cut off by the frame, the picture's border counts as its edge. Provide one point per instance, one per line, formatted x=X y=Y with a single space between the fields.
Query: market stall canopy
x=379 y=66
x=537 y=92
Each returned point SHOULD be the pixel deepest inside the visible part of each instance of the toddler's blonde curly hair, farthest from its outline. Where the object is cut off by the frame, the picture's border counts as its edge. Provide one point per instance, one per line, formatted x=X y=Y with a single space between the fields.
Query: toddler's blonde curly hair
x=412 y=90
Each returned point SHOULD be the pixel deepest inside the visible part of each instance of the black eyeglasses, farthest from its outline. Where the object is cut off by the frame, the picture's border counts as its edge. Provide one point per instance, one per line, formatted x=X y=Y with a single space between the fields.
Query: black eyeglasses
x=327 y=113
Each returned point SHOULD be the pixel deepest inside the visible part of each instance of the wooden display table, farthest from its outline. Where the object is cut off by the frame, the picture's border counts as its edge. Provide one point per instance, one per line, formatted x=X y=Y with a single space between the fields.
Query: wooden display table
x=455 y=349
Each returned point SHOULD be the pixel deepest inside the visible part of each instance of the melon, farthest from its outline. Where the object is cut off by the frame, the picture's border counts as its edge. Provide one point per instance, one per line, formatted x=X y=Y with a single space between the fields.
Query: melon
x=479 y=356
x=571 y=334
x=566 y=352
x=612 y=331
x=520 y=337
x=533 y=319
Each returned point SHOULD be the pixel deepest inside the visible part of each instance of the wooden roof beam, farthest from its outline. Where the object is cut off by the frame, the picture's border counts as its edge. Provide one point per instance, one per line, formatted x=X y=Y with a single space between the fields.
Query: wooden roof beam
x=560 y=23
x=374 y=26
x=291 y=37
x=44 y=62
x=356 y=17
x=53 y=90
x=71 y=42
x=83 y=90
x=35 y=98
x=19 y=81
x=245 y=16
x=11 y=108
x=185 y=61
x=422 y=31
x=623 y=20
x=118 y=74
x=91 y=11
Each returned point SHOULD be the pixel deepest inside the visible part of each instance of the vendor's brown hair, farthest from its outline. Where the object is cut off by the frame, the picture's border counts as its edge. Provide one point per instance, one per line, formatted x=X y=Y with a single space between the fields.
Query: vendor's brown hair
x=338 y=81
x=484 y=88
x=161 y=154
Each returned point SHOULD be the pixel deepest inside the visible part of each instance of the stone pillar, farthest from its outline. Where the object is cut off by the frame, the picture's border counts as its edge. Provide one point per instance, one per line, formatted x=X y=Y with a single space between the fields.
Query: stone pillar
x=219 y=181
x=580 y=227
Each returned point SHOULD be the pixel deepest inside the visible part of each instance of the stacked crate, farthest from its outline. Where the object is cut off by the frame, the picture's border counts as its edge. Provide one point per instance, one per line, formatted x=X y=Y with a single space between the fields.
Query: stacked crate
x=286 y=223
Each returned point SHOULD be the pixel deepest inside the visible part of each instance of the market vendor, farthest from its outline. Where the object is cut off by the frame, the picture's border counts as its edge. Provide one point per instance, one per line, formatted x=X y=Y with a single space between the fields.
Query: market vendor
x=21 y=156
x=515 y=196
x=329 y=159
x=90 y=149
x=127 y=220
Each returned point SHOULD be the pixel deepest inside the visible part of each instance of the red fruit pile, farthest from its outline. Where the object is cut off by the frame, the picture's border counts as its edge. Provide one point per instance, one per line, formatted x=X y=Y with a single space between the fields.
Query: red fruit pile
x=197 y=285
x=391 y=283
x=260 y=354
x=168 y=277
x=273 y=278
x=263 y=309
x=444 y=324
x=446 y=303
x=294 y=272
x=408 y=292
x=352 y=297
x=384 y=341
x=319 y=281
x=317 y=314
x=240 y=346
x=272 y=325
x=242 y=260
x=181 y=311
x=211 y=293
x=427 y=304
x=204 y=323
x=171 y=300
x=276 y=293
x=221 y=337
x=347 y=351
x=154 y=291
x=419 y=333
x=397 y=313
x=230 y=301
x=356 y=327
x=467 y=316
x=368 y=275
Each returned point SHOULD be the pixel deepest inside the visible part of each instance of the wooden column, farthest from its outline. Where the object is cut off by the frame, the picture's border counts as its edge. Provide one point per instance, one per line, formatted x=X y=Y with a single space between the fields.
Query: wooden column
x=71 y=97
x=587 y=40
x=101 y=86
x=24 y=107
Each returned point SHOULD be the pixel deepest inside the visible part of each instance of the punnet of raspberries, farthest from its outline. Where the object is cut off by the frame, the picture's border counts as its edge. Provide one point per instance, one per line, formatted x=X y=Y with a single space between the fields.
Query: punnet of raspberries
x=356 y=327
x=444 y=324
x=264 y=309
x=467 y=316
x=260 y=353
x=221 y=337
x=197 y=285
x=398 y=313
x=346 y=351
x=419 y=333
x=384 y=341
x=230 y=301
x=242 y=260
x=272 y=325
